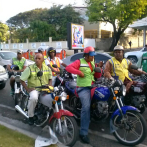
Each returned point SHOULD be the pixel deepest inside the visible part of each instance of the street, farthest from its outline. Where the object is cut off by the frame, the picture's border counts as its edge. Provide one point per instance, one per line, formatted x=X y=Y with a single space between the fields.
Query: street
x=99 y=132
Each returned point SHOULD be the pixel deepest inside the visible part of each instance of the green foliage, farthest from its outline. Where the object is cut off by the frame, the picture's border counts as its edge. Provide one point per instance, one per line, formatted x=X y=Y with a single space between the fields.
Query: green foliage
x=120 y=13
x=3 y=32
x=40 y=24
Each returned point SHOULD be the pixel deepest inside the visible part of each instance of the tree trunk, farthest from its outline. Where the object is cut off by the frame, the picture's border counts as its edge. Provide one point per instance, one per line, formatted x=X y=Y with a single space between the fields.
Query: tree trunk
x=115 y=40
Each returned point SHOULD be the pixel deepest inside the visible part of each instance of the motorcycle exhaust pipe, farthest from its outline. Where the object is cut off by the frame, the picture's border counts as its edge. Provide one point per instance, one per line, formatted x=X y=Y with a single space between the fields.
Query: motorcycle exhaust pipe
x=21 y=111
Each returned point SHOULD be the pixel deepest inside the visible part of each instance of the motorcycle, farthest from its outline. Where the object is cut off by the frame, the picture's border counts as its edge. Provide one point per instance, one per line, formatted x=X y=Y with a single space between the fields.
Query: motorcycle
x=19 y=93
x=126 y=123
x=50 y=110
x=137 y=95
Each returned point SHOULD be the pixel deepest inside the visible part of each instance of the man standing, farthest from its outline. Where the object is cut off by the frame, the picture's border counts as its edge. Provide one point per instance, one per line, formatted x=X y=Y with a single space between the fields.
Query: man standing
x=84 y=68
x=21 y=63
x=52 y=59
x=130 y=43
x=30 y=74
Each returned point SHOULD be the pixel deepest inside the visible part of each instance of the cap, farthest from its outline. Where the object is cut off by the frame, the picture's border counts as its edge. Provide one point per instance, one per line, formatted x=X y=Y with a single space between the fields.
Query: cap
x=92 y=53
x=20 y=51
x=118 y=47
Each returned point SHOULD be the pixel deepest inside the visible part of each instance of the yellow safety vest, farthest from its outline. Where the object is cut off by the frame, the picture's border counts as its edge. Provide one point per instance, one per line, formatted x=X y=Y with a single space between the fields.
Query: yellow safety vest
x=33 y=80
x=57 y=63
x=120 y=69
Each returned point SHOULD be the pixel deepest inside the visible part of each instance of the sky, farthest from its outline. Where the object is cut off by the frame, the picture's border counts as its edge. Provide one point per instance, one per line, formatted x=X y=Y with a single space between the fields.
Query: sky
x=9 y=8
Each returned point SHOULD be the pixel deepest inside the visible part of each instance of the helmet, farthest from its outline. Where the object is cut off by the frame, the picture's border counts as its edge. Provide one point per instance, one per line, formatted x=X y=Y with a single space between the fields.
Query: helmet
x=90 y=50
x=40 y=49
x=14 y=67
x=118 y=47
x=51 y=49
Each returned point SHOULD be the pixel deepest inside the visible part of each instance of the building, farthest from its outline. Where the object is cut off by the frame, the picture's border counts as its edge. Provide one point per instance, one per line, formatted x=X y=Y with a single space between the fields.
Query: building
x=96 y=30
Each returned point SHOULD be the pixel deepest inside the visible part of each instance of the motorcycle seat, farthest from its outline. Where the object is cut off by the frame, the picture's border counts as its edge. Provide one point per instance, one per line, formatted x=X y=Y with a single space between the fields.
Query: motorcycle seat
x=72 y=85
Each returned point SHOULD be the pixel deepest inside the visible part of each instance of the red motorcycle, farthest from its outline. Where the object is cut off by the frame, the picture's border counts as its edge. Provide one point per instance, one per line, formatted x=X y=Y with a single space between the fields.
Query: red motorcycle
x=49 y=110
x=137 y=95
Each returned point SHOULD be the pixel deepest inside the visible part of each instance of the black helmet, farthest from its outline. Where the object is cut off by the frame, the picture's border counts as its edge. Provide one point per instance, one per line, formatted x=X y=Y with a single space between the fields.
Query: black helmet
x=14 y=67
x=51 y=49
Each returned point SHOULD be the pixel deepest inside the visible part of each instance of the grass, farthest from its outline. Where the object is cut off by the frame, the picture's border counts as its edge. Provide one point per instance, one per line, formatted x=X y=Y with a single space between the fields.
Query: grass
x=10 y=138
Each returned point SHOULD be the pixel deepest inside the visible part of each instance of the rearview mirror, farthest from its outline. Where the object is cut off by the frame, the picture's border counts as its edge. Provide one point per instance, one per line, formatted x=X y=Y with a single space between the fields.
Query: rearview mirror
x=134 y=67
x=97 y=69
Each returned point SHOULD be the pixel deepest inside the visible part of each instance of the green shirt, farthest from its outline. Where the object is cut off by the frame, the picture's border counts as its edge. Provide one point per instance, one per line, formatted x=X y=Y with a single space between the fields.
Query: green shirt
x=30 y=74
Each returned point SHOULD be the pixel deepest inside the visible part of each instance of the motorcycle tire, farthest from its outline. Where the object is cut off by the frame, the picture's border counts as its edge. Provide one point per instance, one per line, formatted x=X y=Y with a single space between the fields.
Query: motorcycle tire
x=24 y=103
x=142 y=109
x=17 y=98
x=54 y=127
x=143 y=129
x=75 y=103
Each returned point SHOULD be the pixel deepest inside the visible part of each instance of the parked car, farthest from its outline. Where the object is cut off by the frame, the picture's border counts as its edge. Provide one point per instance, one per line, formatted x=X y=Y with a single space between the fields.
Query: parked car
x=135 y=55
x=3 y=77
x=6 y=56
x=99 y=57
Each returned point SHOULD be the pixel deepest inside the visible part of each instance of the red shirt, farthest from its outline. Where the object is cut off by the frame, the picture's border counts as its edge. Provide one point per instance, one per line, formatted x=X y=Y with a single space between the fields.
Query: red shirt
x=74 y=67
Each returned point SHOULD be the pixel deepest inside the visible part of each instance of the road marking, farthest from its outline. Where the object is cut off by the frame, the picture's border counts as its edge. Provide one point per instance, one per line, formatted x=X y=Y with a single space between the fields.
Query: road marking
x=4 y=106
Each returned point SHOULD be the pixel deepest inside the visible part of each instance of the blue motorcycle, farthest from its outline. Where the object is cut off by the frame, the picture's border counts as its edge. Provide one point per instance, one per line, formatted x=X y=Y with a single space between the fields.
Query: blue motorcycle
x=126 y=123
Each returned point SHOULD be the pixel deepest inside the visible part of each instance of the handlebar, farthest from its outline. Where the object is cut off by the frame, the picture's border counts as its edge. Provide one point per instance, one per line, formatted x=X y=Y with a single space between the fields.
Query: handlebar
x=46 y=86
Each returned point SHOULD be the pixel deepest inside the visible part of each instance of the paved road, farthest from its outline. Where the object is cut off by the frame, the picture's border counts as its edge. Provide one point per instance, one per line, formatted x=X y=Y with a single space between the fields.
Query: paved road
x=99 y=133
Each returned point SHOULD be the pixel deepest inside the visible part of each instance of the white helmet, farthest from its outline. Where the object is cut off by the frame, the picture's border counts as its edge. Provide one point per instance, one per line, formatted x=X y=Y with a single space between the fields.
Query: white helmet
x=118 y=47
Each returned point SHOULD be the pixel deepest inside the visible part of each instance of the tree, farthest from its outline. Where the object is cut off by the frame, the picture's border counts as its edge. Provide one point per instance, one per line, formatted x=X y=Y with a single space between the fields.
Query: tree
x=120 y=13
x=3 y=32
x=40 y=31
x=22 y=20
x=43 y=23
x=59 y=17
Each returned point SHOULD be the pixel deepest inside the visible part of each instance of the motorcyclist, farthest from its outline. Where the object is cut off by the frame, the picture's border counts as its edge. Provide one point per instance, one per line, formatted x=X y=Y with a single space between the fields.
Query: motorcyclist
x=84 y=68
x=41 y=50
x=21 y=63
x=52 y=59
x=30 y=74
x=118 y=66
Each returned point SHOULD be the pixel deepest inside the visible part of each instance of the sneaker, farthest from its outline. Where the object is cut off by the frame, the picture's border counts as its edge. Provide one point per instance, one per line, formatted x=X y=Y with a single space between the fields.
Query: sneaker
x=85 y=139
x=12 y=92
x=31 y=121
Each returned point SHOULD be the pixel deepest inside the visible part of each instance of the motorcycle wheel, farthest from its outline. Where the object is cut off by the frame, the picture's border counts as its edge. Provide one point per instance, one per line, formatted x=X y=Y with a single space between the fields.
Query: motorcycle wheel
x=69 y=134
x=24 y=103
x=134 y=132
x=142 y=109
x=75 y=103
x=17 y=97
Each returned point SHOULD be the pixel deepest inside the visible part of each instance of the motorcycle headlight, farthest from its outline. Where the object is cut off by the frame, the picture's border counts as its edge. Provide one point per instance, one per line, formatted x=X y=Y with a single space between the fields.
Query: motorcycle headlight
x=17 y=78
x=63 y=96
x=124 y=90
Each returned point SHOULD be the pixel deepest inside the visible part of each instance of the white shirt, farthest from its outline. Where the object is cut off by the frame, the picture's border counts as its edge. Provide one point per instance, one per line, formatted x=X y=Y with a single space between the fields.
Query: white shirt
x=54 y=61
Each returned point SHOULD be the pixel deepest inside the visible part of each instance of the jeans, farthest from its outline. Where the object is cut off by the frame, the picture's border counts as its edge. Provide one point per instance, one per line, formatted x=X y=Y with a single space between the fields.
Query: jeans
x=85 y=97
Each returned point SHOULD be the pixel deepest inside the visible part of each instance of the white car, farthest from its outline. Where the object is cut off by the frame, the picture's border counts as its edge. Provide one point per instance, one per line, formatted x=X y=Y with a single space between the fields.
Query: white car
x=135 y=56
x=6 y=56
x=3 y=77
